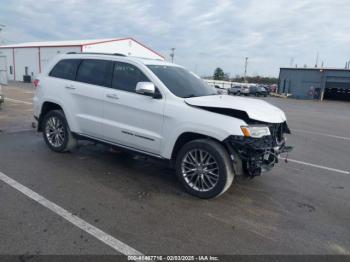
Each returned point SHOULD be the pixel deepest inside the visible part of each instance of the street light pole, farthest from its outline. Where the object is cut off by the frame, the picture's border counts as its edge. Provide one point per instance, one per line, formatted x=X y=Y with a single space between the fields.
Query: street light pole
x=172 y=54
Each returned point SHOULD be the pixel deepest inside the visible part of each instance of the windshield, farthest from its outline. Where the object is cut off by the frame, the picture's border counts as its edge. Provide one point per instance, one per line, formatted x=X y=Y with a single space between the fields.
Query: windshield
x=181 y=82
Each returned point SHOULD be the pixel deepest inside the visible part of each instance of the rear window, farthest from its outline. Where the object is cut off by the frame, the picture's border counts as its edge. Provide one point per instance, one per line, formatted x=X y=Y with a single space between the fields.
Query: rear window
x=66 y=69
x=95 y=72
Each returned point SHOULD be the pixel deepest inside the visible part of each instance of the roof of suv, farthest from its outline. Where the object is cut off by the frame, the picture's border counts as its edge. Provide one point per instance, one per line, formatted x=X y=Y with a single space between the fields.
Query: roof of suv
x=146 y=61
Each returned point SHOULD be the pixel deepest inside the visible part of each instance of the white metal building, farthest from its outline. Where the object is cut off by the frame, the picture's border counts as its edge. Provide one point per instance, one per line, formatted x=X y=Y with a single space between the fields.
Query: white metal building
x=31 y=58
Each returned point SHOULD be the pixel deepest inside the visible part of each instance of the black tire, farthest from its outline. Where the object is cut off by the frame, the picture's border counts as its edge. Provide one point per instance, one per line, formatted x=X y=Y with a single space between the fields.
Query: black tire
x=68 y=141
x=238 y=93
x=225 y=173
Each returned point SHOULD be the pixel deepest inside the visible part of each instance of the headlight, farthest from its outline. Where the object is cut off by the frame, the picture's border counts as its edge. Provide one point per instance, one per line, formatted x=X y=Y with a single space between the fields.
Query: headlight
x=255 y=131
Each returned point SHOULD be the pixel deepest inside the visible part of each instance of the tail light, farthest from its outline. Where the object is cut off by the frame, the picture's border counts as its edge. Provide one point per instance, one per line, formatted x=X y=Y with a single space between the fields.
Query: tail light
x=36 y=83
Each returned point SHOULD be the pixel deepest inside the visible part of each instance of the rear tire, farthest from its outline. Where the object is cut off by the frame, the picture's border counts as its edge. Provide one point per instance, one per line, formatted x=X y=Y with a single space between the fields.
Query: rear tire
x=56 y=132
x=204 y=168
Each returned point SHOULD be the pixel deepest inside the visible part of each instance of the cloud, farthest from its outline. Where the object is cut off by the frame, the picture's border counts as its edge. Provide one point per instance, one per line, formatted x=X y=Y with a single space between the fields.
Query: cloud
x=205 y=33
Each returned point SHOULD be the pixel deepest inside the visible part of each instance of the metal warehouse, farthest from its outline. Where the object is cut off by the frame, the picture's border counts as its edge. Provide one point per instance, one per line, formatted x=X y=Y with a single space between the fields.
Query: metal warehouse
x=28 y=59
x=315 y=83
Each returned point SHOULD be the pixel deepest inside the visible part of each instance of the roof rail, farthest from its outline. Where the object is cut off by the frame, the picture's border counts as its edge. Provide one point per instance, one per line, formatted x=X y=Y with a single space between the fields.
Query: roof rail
x=95 y=53
x=118 y=54
x=147 y=58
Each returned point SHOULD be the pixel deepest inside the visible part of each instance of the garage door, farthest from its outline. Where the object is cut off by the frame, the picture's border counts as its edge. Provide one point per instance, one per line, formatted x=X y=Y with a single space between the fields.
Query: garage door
x=337 y=91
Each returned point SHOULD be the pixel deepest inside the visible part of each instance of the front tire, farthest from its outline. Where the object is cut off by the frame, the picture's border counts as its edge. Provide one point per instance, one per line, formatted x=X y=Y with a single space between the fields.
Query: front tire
x=56 y=132
x=204 y=168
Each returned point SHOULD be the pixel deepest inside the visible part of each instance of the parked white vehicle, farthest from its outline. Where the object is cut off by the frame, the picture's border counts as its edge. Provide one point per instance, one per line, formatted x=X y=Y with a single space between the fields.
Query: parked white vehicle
x=162 y=110
x=245 y=90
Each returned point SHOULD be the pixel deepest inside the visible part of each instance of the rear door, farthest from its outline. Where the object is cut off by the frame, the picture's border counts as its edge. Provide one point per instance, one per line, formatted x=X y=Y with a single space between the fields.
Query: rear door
x=132 y=119
x=93 y=79
x=60 y=85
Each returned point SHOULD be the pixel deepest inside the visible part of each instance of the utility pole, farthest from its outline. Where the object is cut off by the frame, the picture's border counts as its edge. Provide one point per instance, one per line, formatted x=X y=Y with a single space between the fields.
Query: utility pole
x=245 y=69
x=172 y=54
x=291 y=61
x=316 y=64
x=1 y=28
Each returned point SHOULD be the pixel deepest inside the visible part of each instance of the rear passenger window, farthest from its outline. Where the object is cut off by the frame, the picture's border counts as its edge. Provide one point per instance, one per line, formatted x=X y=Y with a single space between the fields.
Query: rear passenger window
x=95 y=72
x=66 y=69
x=126 y=76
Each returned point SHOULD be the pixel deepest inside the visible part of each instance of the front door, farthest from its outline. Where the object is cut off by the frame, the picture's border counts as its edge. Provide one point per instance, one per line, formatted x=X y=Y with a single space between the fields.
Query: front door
x=132 y=119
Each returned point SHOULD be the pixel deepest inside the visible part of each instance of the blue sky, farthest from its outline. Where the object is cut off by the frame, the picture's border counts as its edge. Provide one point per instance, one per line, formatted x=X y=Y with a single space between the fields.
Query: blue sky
x=206 y=34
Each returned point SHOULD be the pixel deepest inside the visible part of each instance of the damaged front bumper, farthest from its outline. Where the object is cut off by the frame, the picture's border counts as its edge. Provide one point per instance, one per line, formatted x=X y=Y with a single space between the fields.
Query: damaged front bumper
x=252 y=156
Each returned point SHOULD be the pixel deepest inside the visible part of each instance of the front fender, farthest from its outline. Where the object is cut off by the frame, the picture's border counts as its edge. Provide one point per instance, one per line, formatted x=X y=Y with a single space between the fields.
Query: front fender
x=218 y=127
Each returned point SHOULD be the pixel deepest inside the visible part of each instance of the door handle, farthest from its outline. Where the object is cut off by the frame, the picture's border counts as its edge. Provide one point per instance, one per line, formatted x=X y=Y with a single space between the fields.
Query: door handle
x=70 y=87
x=113 y=96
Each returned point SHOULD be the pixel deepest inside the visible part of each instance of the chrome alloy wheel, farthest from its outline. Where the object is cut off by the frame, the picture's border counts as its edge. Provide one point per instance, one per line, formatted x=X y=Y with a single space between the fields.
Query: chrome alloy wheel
x=200 y=170
x=55 y=132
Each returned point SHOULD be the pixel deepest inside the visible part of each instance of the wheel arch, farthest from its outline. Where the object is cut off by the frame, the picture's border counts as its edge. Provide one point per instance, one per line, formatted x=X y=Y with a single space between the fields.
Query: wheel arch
x=48 y=106
x=186 y=137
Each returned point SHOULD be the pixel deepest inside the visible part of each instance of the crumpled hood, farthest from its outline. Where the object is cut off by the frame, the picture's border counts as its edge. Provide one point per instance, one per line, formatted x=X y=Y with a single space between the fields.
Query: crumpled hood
x=255 y=108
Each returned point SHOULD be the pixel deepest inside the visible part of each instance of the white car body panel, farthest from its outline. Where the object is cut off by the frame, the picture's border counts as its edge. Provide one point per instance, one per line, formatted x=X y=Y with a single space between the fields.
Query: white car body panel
x=134 y=120
x=86 y=105
x=140 y=122
x=195 y=120
x=256 y=109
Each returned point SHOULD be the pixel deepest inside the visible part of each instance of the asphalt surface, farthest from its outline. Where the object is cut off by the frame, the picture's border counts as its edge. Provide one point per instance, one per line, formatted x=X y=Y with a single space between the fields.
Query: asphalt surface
x=293 y=209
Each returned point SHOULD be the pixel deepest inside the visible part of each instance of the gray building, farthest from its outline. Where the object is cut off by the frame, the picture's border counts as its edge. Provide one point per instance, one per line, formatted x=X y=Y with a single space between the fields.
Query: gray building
x=315 y=83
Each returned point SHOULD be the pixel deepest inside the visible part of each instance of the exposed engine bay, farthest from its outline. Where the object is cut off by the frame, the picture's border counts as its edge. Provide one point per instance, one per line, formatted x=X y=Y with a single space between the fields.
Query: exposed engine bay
x=252 y=156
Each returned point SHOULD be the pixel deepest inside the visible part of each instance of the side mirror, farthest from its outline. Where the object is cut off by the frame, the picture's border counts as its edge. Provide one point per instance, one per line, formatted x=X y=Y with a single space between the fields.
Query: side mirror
x=146 y=88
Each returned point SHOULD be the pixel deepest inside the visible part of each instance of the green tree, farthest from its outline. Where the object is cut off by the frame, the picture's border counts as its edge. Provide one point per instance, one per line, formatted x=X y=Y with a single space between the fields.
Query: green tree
x=219 y=74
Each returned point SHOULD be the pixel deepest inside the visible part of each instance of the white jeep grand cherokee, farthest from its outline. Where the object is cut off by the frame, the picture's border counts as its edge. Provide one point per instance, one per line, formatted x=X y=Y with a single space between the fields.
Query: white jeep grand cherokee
x=161 y=110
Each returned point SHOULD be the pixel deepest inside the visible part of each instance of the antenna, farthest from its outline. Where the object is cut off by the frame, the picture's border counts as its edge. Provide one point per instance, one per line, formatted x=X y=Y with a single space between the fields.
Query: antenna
x=316 y=64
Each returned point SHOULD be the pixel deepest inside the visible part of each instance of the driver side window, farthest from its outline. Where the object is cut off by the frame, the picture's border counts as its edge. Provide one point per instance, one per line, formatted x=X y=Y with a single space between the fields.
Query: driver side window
x=126 y=76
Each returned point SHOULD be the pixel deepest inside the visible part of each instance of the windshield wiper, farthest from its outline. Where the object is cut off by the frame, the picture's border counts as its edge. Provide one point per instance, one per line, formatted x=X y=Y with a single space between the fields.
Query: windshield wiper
x=191 y=95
